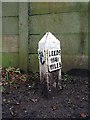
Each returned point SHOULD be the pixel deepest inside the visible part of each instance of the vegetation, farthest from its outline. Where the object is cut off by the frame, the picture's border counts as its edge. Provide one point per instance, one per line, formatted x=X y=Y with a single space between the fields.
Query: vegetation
x=12 y=76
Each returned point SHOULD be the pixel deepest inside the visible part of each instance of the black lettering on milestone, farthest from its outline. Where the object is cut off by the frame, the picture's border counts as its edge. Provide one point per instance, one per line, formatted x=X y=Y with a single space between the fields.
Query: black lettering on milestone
x=51 y=60
x=53 y=66
x=57 y=52
x=56 y=59
x=57 y=65
x=52 y=53
x=49 y=54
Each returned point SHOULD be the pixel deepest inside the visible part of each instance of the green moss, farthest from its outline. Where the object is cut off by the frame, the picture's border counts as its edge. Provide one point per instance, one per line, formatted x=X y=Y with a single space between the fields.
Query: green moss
x=57 y=7
x=10 y=59
x=0 y=59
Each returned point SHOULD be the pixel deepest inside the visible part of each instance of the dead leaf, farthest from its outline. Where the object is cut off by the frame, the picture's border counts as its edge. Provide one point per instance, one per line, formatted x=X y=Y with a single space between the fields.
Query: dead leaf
x=34 y=100
x=54 y=107
x=4 y=100
x=83 y=115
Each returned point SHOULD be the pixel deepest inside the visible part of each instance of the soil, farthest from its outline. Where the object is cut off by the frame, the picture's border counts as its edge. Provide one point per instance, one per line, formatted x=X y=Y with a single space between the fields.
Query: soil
x=25 y=100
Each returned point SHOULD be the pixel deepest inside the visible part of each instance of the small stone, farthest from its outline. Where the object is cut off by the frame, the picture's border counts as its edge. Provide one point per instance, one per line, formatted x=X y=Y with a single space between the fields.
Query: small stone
x=17 y=103
x=8 y=101
x=4 y=100
x=29 y=86
x=25 y=111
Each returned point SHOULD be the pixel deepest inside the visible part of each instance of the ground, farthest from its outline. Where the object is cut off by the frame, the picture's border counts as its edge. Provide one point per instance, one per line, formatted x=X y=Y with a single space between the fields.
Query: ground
x=25 y=100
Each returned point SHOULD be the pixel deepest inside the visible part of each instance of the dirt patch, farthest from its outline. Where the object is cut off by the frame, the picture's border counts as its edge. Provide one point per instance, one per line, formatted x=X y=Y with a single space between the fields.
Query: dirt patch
x=25 y=101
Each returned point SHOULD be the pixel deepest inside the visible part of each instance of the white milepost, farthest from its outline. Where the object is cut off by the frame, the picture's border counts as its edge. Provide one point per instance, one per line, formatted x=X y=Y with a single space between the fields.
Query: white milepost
x=49 y=52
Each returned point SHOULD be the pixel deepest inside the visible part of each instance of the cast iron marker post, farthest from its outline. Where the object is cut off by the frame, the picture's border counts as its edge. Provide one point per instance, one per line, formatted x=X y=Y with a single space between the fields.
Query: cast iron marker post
x=49 y=52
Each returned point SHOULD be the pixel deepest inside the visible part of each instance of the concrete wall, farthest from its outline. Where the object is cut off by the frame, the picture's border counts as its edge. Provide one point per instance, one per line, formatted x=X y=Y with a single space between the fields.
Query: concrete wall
x=10 y=34
x=15 y=34
x=24 y=24
x=69 y=23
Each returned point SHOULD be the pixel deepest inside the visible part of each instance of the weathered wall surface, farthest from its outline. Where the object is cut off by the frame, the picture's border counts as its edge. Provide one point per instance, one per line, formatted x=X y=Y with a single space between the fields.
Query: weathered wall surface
x=24 y=25
x=69 y=23
x=10 y=34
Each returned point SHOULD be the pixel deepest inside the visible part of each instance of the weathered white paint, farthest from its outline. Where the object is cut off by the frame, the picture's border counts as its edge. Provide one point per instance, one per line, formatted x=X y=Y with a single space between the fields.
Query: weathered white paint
x=49 y=52
x=54 y=59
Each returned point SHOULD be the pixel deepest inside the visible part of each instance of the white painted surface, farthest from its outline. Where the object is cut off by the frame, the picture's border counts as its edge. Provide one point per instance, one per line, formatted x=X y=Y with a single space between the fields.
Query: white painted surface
x=54 y=59
x=49 y=52
x=50 y=44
